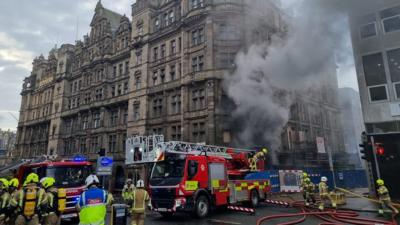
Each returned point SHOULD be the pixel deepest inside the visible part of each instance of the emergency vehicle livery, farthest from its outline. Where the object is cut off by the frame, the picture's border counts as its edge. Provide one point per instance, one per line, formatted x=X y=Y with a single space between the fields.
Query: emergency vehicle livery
x=195 y=178
x=69 y=175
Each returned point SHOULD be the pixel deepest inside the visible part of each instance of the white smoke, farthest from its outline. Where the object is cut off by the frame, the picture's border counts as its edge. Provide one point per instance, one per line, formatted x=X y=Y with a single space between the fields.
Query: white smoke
x=301 y=60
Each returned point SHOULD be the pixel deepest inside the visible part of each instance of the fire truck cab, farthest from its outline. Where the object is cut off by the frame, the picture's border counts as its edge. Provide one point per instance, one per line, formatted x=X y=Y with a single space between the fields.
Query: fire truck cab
x=70 y=175
x=197 y=181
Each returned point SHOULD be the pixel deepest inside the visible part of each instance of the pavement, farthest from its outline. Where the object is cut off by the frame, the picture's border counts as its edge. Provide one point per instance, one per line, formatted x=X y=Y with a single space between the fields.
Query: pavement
x=225 y=217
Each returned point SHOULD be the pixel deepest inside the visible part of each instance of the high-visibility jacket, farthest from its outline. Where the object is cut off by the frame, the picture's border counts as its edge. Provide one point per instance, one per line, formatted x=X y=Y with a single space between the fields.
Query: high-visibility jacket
x=310 y=187
x=52 y=197
x=92 y=205
x=323 y=189
x=19 y=197
x=383 y=193
x=127 y=192
x=4 y=202
x=140 y=197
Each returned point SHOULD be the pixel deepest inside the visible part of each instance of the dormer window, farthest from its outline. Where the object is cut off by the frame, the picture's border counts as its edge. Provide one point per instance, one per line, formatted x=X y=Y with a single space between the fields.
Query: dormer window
x=157 y=24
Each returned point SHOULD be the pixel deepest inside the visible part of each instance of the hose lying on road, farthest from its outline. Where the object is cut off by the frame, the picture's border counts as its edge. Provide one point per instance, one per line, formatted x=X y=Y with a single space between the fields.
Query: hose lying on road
x=331 y=217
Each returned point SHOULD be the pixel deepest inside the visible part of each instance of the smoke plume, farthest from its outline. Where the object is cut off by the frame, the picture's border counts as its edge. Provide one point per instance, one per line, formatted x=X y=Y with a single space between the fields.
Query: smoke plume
x=299 y=58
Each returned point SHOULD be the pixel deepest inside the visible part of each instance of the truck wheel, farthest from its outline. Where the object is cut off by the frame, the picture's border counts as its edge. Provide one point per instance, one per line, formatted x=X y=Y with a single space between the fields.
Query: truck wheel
x=254 y=198
x=202 y=207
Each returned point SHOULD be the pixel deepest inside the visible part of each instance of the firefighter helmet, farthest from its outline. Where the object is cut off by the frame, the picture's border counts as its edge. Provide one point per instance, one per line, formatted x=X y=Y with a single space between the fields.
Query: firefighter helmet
x=305 y=175
x=140 y=184
x=13 y=183
x=48 y=182
x=4 y=183
x=264 y=150
x=307 y=180
x=32 y=178
x=92 y=179
x=380 y=182
x=324 y=179
x=129 y=180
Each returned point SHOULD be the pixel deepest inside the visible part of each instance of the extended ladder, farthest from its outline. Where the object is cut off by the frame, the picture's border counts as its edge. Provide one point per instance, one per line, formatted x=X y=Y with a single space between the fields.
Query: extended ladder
x=179 y=147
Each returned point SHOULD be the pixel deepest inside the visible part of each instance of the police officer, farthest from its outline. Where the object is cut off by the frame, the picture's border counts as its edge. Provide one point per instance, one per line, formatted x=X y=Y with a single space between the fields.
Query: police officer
x=127 y=191
x=140 y=200
x=93 y=202
x=31 y=200
x=309 y=189
x=51 y=214
x=4 y=200
x=384 y=198
x=13 y=185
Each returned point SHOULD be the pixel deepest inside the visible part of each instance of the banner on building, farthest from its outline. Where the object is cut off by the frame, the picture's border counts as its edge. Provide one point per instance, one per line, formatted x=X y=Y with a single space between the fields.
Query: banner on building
x=321 y=145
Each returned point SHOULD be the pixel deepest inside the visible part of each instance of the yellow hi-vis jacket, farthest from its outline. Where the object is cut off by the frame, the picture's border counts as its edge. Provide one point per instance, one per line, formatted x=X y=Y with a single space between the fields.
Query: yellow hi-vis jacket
x=140 y=198
x=323 y=189
x=4 y=202
x=19 y=198
x=383 y=193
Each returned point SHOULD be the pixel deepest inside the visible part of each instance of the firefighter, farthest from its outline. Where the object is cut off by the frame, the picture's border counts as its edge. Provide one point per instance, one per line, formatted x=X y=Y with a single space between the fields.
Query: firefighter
x=309 y=190
x=4 y=200
x=51 y=215
x=384 y=198
x=140 y=201
x=258 y=156
x=127 y=191
x=30 y=201
x=12 y=190
x=92 y=205
x=323 y=192
x=303 y=185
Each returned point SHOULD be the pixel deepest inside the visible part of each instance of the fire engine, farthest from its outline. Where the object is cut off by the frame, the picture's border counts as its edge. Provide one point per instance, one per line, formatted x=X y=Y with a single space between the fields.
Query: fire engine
x=195 y=178
x=69 y=174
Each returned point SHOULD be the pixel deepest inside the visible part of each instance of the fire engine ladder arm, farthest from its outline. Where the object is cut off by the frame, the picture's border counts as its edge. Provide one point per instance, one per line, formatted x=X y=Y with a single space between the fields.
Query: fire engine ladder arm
x=197 y=149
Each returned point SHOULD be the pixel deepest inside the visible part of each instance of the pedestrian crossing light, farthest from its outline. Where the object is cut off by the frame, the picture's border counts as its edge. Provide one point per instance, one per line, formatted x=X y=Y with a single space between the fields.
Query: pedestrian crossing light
x=380 y=150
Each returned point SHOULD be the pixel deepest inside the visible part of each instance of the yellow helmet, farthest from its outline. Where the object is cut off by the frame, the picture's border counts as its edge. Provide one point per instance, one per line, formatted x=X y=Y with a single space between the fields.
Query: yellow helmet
x=264 y=150
x=32 y=178
x=4 y=183
x=380 y=182
x=305 y=175
x=13 y=183
x=48 y=182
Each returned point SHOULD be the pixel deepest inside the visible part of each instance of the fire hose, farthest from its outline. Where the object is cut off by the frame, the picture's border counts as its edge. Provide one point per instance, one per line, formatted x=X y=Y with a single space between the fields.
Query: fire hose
x=331 y=217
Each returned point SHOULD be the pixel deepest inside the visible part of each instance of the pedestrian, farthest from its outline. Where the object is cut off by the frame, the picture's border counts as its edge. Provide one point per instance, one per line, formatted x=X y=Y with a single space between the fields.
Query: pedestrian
x=4 y=200
x=384 y=198
x=92 y=205
x=140 y=200
x=51 y=216
x=324 y=194
x=30 y=201
x=310 y=192
x=127 y=192
x=13 y=185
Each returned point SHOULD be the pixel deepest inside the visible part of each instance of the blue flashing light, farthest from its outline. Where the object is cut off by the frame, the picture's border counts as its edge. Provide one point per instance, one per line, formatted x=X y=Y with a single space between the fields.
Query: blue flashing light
x=79 y=158
x=106 y=161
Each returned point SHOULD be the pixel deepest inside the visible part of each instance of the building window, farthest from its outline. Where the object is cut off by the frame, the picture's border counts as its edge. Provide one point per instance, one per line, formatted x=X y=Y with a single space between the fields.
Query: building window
x=196 y=4
x=172 y=72
x=394 y=64
x=162 y=75
x=155 y=53
x=99 y=94
x=378 y=93
x=368 y=30
x=155 y=76
x=201 y=63
x=157 y=107
x=114 y=71
x=374 y=69
x=171 y=17
x=173 y=47
x=138 y=57
x=136 y=111
x=198 y=99
x=157 y=24
x=138 y=82
x=140 y=30
x=112 y=91
x=112 y=143
x=85 y=122
x=127 y=67
x=198 y=36
x=199 y=132
x=125 y=118
x=119 y=90
x=176 y=104
x=126 y=88
x=176 y=133
x=391 y=19
x=96 y=120
x=194 y=37
x=113 y=118
x=179 y=44
x=120 y=69
x=166 y=21
x=82 y=145
x=194 y=64
x=163 y=51
x=158 y=131
x=197 y=63
x=397 y=89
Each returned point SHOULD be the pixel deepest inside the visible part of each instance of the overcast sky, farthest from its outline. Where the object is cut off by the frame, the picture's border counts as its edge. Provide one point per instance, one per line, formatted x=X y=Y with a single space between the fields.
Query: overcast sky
x=31 y=27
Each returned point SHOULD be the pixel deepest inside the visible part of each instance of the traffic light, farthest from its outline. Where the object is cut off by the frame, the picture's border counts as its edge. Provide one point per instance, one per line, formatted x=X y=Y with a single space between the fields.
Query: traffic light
x=380 y=150
x=364 y=152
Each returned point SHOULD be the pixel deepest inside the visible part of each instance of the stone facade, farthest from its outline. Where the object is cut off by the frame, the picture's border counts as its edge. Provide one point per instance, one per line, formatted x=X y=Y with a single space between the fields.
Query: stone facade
x=160 y=73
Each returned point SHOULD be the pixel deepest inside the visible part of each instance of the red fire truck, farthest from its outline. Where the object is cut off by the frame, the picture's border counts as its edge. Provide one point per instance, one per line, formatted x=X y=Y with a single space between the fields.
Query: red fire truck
x=196 y=178
x=69 y=174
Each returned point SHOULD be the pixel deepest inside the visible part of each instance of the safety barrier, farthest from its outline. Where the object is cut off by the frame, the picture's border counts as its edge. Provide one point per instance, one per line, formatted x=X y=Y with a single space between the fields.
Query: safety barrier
x=242 y=209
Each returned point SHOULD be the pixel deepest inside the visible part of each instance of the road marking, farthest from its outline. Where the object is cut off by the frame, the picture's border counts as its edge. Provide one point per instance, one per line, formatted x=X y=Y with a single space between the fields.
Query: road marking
x=223 y=222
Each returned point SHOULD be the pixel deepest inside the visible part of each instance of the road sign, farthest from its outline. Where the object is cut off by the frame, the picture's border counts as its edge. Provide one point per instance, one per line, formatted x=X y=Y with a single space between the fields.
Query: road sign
x=104 y=165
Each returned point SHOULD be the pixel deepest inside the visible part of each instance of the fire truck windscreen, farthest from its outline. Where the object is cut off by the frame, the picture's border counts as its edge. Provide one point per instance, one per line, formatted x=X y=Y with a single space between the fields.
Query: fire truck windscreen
x=167 y=172
x=69 y=176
